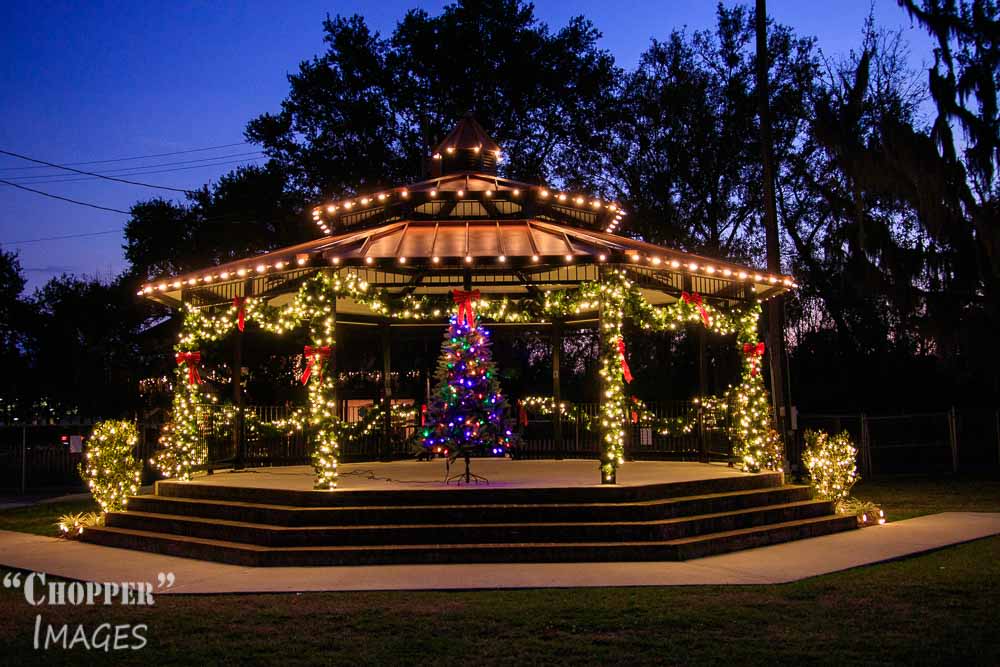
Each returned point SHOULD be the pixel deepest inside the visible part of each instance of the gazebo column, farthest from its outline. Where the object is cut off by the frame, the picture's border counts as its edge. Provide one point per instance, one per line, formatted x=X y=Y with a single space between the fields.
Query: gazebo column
x=332 y=365
x=386 y=337
x=238 y=441
x=557 y=436
x=702 y=392
x=239 y=431
x=608 y=376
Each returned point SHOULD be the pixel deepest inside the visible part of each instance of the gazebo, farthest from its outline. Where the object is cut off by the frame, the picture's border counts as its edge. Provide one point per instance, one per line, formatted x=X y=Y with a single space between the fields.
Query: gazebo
x=518 y=253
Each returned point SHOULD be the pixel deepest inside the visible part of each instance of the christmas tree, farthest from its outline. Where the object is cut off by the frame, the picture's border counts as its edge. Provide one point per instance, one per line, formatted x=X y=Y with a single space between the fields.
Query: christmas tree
x=467 y=412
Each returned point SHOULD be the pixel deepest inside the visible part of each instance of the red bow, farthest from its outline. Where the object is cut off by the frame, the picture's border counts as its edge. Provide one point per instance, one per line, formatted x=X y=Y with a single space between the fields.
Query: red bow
x=314 y=359
x=465 y=313
x=694 y=299
x=192 y=359
x=752 y=352
x=621 y=354
x=522 y=414
x=240 y=303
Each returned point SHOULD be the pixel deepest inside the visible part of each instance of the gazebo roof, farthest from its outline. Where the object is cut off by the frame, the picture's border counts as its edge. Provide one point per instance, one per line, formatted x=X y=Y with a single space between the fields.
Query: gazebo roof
x=470 y=227
x=469 y=135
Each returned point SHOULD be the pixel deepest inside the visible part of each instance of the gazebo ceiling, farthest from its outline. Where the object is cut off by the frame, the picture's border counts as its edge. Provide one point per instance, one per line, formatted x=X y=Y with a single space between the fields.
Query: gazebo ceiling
x=466 y=226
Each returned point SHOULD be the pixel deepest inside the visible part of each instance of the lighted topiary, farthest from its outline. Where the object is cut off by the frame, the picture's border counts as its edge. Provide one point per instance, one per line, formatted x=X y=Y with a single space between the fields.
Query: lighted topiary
x=110 y=470
x=832 y=464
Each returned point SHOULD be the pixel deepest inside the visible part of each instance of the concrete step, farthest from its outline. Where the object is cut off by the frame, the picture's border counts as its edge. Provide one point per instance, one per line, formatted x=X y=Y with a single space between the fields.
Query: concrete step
x=646 y=510
x=679 y=549
x=467 y=496
x=465 y=533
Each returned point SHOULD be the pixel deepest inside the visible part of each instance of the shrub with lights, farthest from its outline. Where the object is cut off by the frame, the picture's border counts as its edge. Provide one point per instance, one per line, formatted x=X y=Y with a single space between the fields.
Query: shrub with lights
x=614 y=295
x=109 y=469
x=832 y=464
x=467 y=412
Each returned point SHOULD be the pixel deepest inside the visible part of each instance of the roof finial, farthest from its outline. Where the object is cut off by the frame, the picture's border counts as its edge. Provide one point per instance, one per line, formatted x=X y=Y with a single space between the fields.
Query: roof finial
x=467 y=148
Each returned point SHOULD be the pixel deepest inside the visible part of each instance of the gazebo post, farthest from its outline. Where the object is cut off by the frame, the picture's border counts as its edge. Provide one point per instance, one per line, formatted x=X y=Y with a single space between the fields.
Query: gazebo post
x=386 y=389
x=238 y=459
x=557 y=439
x=333 y=359
x=239 y=441
x=702 y=392
x=602 y=343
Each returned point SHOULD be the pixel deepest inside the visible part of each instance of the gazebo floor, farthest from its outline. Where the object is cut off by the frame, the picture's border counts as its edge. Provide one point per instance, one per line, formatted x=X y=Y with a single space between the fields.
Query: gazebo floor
x=531 y=511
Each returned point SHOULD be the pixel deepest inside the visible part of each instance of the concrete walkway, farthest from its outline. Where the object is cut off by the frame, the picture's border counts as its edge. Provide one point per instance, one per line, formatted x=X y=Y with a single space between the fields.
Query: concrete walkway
x=767 y=565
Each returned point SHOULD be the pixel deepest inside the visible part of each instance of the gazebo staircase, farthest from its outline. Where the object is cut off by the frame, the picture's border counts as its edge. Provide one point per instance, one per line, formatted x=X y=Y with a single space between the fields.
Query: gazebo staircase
x=271 y=527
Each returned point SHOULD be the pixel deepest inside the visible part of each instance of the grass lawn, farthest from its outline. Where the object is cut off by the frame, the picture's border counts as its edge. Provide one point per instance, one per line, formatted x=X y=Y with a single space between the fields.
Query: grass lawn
x=40 y=519
x=904 y=497
x=939 y=608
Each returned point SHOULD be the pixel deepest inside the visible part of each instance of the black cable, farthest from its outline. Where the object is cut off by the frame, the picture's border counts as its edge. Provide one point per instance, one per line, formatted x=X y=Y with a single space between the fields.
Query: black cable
x=139 y=171
x=72 y=201
x=370 y=474
x=60 y=238
x=91 y=173
x=138 y=157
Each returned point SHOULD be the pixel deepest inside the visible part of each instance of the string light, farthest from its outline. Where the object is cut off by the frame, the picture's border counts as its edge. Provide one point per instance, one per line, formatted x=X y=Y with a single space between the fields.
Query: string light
x=832 y=464
x=615 y=296
x=111 y=472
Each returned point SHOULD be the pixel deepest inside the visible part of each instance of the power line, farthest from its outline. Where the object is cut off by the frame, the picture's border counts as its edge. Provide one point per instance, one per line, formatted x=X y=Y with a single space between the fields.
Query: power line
x=138 y=157
x=118 y=210
x=91 y=173
x=60 y=238
x=77 y=179
x=71 y=201
x=139 y=169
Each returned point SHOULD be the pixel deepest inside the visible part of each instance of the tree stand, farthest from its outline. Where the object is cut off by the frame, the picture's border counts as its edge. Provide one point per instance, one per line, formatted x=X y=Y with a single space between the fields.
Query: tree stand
x=468 y=476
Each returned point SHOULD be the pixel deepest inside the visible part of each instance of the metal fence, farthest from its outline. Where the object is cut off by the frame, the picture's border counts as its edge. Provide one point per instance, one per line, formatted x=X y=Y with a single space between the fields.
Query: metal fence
x=946 y=441
x=35 y=457
x=707 y=437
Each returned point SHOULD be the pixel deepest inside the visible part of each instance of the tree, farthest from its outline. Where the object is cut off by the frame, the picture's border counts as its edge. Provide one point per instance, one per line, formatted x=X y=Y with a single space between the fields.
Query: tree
x=467 y=411
x=683 y=149
x=964 y=84
x=248 y=210
x=85 y=344
x=364 y=114
x=14 y=316
x=879 y=234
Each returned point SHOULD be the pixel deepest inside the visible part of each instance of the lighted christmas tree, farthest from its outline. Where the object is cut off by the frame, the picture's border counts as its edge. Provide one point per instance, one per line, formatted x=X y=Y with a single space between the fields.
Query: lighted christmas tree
x=467 y=412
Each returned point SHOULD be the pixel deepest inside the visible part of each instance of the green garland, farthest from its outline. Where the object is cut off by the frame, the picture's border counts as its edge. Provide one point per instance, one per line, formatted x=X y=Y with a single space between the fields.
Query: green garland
x=639 y=414
x=614 y=296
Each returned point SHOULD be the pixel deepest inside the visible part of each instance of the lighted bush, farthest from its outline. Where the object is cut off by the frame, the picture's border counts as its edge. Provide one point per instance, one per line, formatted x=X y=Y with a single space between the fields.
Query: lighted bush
x=109 y=469
x=832 y=464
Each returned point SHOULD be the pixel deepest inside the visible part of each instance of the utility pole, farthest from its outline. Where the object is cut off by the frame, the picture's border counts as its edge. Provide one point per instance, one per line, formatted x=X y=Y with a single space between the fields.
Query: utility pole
x=775 y=312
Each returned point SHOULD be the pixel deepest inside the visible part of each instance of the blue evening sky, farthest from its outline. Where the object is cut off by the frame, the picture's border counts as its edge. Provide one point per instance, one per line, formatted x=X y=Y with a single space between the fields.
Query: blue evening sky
x=85 y=81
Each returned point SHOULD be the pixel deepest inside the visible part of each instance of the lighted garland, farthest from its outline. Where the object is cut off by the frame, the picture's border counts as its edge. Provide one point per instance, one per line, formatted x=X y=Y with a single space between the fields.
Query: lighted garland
x=111 y=472
x=756 y=445
x=614 y=296
x=639 y=414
